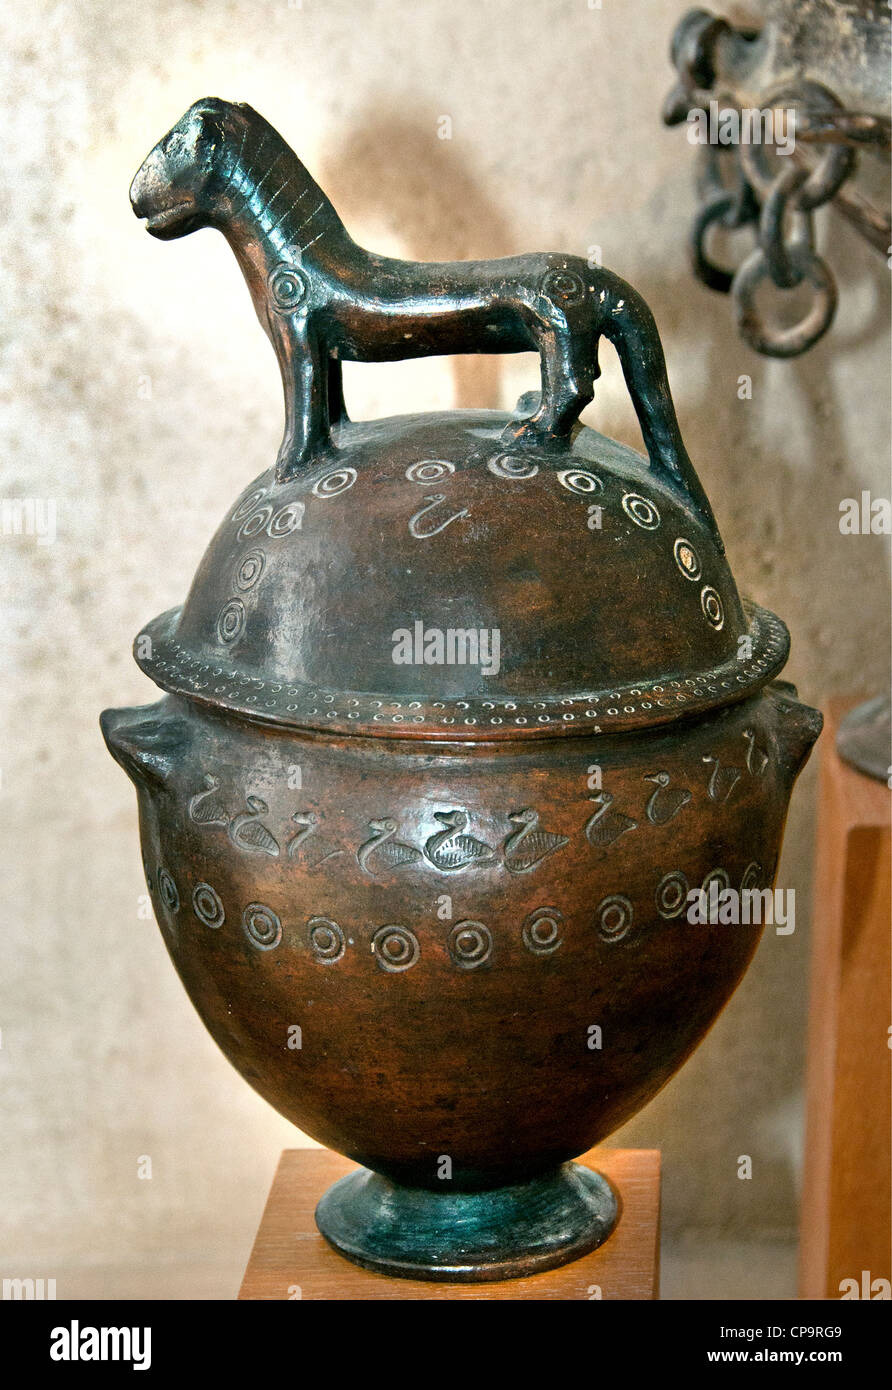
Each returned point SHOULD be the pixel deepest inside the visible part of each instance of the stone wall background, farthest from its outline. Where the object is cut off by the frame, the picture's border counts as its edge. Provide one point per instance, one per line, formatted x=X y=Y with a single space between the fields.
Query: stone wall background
x=139 y=393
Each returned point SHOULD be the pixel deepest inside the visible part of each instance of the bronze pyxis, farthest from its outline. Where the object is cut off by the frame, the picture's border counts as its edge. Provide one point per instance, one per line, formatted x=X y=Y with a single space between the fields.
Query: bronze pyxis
x=461 y=885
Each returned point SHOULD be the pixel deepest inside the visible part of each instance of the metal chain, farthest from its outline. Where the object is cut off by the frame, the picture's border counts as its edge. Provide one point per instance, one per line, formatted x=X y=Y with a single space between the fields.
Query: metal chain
x=786 y=252
x=784 y=342
x=783 y=206
x=729 y=207
x=780 y=204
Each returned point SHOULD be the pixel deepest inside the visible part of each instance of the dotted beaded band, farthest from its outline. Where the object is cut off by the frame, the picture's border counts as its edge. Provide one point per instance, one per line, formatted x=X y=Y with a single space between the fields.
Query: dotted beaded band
x=173 y=668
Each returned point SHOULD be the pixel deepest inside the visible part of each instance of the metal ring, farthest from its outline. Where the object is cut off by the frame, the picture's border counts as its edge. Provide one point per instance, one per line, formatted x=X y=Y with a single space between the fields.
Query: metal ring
x=755 y=168
x=786 y=342
x=714 y=159
x=786 y=256
x=713 y=276
x=827 y=176
x=693 y=46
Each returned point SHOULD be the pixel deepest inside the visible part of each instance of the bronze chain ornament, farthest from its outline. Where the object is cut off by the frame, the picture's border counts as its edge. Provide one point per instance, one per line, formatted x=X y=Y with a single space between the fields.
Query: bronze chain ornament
x=784 y=71
x=460 y=715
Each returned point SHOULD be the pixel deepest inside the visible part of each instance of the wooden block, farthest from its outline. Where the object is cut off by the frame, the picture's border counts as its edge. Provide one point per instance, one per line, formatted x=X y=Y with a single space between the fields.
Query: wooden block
x=847 y=1179
x=290 y=1258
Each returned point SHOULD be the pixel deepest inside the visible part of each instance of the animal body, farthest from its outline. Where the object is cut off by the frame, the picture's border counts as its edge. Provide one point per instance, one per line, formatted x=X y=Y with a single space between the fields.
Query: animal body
x=607 y=823
x=665 y=801
x=382 y=849
x=452 y=849
x=322 y=299
x=529 y=845
x=307 y=821
x=248 y=832
x=756 y=757
x=722 y=780
x=205 y=808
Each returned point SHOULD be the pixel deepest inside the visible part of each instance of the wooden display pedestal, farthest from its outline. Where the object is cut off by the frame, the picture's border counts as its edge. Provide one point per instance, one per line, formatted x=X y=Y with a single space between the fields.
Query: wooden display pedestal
x=291 y=1260
x=846 y=1183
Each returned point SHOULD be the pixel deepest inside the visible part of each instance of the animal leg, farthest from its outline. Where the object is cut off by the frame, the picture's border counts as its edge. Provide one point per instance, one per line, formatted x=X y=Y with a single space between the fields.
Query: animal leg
x=337 y=410
x=568 y=372
x=628 y=323
x=305 y=378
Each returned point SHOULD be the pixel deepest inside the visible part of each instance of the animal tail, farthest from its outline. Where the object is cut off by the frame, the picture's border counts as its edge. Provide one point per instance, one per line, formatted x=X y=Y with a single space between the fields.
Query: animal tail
x=628 y=323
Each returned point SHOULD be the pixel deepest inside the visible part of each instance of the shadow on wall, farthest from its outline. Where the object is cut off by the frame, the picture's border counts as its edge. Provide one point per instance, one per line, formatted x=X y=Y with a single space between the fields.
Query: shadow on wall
x=394 y=169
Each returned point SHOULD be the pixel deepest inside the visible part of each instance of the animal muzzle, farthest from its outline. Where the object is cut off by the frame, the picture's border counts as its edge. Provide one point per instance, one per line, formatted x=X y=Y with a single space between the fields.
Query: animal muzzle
x=154 y=195
x=148 y=182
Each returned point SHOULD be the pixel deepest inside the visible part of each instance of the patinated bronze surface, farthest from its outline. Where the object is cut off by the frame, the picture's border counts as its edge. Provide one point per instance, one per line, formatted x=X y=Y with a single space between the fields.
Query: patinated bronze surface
x=322 y=299
x=460 y=710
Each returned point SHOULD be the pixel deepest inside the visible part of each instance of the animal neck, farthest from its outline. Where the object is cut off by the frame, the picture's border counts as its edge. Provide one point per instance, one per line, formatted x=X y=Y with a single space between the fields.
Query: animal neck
x=266 y=203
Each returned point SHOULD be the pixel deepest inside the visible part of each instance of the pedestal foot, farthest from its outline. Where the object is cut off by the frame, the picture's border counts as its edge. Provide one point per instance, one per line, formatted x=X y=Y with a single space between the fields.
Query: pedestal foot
x=503 y=1233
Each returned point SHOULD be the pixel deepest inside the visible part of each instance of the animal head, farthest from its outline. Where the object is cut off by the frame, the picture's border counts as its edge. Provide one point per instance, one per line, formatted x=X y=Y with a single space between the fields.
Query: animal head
x=455 y=820
x=525 y=817
x=176 y=185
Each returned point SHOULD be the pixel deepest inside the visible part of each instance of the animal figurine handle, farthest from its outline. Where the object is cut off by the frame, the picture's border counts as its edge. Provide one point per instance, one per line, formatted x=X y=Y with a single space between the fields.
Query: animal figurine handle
x=322 y=299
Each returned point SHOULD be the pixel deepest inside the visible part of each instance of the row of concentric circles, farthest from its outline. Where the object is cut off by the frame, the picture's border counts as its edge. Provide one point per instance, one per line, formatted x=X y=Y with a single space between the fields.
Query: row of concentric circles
x=396 y=947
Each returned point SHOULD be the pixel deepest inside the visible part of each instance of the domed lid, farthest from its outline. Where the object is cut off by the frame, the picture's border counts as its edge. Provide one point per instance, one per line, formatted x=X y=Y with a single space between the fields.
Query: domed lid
x=425 y=581
x=455 y=576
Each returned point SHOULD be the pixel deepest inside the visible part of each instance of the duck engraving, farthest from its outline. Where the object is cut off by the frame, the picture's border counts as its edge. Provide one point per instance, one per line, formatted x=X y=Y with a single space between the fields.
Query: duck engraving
x=756 y=757
x=249 y=833
x=207 y=809
x=451 y=850
x=722 y=780
x=529 y=845
x=382 y=849
x=307 y=820
x=606 y=825
x=664 y=802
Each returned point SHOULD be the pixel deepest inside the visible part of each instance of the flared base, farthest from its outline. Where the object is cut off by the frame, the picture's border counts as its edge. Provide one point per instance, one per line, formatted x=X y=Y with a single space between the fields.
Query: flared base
x=503 y=1233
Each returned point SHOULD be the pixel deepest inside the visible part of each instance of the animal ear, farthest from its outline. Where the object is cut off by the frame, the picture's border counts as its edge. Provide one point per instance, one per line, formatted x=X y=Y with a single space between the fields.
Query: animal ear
x=211 y=127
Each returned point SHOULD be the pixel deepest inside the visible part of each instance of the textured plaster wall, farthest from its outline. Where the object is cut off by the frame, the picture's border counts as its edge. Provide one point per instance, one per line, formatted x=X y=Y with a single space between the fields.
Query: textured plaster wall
x=139 y=394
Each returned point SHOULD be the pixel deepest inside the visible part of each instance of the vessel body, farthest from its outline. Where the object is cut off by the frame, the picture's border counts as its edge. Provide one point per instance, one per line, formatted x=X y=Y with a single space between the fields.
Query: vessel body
x=462 y=806
x=463 y=985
